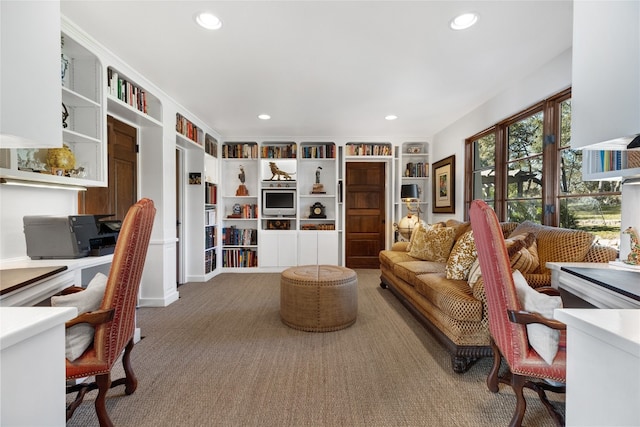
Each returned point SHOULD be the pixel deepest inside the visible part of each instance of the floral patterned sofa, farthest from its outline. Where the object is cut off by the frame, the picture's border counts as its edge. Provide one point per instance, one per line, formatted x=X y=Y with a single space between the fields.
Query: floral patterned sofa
x=437 y=277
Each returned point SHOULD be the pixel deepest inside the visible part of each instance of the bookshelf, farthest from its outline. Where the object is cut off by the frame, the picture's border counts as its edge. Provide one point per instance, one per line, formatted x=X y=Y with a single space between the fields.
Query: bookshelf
x=127 y=99
x=356 y=149
x=610 y=164
x=83 y=130
x=239 y=211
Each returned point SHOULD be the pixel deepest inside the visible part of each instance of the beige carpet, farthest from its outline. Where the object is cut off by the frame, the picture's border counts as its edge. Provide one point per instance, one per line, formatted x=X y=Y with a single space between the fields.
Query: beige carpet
x=220 y=356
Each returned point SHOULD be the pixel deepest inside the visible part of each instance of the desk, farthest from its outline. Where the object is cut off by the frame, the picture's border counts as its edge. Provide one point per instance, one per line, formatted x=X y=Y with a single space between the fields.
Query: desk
x=606 y=287
x=603 y=366
x=32 y=385
x=74 y=272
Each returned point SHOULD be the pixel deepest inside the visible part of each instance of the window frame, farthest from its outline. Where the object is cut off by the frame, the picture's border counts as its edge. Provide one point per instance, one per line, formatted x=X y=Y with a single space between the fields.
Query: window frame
x=551 y=195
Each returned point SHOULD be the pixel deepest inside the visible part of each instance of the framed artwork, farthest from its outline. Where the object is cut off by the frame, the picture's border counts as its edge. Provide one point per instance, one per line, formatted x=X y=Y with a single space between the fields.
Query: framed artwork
x=195 y=178
x=444 y=185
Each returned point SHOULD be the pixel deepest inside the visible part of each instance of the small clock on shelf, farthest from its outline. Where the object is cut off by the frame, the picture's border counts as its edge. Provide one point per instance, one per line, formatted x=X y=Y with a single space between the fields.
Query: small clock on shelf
x=317 y=211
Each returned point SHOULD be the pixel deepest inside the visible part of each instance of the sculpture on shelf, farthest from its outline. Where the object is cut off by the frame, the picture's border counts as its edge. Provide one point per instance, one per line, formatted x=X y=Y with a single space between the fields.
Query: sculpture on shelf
x=242 y=189
x=634 y=255
x=61 y=158
x=276 y=172
x=317 y=187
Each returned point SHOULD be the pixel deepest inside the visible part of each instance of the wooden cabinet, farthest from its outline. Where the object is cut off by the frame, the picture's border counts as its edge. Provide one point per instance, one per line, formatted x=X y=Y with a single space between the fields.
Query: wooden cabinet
x=605 y=103
x=30 y=116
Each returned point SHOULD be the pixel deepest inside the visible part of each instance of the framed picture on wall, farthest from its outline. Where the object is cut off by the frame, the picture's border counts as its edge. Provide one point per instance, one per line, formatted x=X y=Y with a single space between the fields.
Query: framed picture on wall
x=444 y=185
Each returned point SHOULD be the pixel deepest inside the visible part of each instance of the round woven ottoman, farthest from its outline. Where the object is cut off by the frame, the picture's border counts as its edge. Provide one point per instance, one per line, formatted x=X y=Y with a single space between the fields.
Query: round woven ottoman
x=318 y=298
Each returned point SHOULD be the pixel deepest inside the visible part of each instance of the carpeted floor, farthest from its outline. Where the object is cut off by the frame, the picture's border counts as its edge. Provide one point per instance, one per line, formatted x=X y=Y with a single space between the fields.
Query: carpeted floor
x=220 y=356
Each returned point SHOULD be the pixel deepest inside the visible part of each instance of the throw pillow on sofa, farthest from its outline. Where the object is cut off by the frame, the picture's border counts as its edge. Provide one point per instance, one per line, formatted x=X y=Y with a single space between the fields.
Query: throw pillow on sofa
x=522 y=253
x=543 y=339
x=79 y=337
x=432 y=244
x=461 y=257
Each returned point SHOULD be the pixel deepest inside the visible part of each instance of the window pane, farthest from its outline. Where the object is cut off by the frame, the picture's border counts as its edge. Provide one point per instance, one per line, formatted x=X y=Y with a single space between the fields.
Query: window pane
x=525 y=178
x=565 y=123
x=484 y=152
x=525 y=137
x=522 y=210
x=599 y=215
x=484 y=185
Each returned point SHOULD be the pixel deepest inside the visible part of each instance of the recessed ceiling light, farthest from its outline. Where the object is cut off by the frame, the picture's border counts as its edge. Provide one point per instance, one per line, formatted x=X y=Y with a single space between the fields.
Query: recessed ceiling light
x=264 y=116
x=391 y=117
x=464 y=21
x=208 y=20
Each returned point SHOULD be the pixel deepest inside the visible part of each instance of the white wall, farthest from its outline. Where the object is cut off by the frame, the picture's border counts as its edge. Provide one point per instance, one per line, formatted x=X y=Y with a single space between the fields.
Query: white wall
x=16 y=202
x=548 y=80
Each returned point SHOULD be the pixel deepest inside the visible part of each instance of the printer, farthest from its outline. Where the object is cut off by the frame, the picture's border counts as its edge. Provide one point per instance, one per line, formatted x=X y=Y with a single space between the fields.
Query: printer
x=72 y=236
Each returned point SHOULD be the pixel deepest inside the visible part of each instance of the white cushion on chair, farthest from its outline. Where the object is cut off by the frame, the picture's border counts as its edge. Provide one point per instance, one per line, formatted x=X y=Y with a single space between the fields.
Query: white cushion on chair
x=79 y=337
x=542 y=338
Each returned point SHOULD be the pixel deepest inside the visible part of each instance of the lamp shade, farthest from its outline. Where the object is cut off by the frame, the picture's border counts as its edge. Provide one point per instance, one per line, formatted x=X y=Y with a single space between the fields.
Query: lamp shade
x=409 y=191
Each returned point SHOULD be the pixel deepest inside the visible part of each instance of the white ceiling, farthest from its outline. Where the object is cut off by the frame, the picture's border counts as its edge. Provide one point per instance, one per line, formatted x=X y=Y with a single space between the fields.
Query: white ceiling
x=329 y=68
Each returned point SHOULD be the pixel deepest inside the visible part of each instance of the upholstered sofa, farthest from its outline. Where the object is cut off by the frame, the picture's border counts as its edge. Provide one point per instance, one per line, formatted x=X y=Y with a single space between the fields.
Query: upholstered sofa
x=436 y=276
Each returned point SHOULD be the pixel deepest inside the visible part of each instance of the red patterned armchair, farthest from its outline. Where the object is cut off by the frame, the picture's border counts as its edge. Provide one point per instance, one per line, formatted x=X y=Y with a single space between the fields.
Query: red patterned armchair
x=508 y=320
x=114 y=321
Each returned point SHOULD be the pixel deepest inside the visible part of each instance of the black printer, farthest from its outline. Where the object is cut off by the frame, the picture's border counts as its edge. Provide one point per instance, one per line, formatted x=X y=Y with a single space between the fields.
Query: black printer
x=72 y=236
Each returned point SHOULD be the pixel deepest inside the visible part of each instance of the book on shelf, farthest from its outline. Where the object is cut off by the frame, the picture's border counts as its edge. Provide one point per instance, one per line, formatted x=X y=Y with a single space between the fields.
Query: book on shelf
x=279 y=151
x=242 y=150
x=126 y=91
x=210 y=193
x=324 y=151
x=239 y=257
x=210 y=217
x=233 y=236
x=186 y=128
x=354 y=149
x=417 y=170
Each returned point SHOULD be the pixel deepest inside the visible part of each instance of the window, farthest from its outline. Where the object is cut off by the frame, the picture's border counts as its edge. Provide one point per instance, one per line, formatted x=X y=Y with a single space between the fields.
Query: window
x=525 y=169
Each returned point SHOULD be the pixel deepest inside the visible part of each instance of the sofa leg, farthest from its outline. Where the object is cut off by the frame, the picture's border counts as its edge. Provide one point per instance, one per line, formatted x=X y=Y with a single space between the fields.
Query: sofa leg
x=461 y=364
x=383 y=285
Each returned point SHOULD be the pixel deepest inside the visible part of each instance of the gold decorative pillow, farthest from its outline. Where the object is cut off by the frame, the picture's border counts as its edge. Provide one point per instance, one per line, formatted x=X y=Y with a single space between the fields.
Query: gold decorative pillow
x=474 y=273
x=423 y=226
x=433 y=244
x=526 y=259
x=461 y=257
x=523 y=256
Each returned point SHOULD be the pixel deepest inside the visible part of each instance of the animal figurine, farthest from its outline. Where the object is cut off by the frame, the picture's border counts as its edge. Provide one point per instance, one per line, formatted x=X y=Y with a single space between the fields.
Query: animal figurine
x=634 y=255
x=276 y=172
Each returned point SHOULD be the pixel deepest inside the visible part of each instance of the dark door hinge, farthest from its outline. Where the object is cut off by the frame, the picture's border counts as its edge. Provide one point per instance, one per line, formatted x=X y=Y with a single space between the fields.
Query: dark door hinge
x=549 y=140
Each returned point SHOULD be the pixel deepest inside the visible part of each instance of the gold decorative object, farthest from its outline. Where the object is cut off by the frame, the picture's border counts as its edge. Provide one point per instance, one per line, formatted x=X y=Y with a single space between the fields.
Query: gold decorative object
x=276 y=172
x=61 y=158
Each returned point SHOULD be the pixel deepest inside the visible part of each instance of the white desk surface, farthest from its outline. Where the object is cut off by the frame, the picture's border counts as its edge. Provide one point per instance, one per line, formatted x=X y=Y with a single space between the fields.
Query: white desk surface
x=20 y=323
x=618 y=327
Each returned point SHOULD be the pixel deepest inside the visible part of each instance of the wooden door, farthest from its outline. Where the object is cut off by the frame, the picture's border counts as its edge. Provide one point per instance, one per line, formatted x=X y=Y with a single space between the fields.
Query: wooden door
x=364 y=213
x=121 y=192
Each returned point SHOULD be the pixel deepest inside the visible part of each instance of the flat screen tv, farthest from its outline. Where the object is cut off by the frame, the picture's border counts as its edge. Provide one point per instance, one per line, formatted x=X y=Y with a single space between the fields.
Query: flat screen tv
x=279 y=202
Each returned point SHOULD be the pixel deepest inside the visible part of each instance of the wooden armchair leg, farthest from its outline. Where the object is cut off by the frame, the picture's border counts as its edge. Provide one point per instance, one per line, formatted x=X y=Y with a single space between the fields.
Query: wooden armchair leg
x=104 y=384
x=517 y=383
x=493 y=377
x=131 y=382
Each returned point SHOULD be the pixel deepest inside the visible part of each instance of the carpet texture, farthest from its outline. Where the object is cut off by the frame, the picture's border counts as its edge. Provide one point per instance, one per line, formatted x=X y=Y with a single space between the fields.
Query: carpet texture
x=220 y=356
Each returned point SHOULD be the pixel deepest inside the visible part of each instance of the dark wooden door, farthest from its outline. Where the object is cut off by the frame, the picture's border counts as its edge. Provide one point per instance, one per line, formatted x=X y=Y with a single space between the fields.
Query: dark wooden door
x=365 y=213
x=122 y=165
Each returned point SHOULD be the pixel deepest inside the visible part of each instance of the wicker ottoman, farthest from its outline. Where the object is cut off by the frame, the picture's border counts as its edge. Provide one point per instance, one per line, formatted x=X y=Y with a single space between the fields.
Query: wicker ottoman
x=318 y=298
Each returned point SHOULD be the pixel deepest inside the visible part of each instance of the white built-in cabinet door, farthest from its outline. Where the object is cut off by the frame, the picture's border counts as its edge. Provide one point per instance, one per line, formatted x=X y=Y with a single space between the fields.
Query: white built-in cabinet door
x=277 y=249
x=605 y=102
x=31 y=102
x=318 y=247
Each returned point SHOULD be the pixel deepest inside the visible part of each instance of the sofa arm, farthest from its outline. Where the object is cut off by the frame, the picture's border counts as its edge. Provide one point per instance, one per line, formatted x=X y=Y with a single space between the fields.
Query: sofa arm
x=400 y=246
x=600 y=253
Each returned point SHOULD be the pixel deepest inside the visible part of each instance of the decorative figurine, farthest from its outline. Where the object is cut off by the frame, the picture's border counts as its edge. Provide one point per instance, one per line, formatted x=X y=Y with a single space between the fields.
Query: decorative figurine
x=275 y=171
x=242 y=189
x=317 y=187
x=634 y=255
